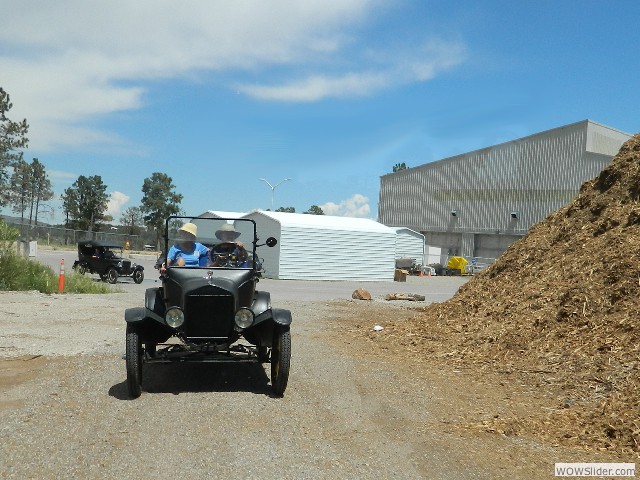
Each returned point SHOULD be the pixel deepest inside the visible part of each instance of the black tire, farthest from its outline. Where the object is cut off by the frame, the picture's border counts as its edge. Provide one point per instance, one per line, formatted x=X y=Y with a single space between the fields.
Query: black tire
x=82 y=270
x=280 y=360
x=112 y=276
x=134 y=361
x=138 y=276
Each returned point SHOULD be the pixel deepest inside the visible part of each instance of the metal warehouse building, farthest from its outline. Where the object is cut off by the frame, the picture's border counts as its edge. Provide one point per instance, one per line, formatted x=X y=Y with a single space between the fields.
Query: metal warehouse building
x=323 y=247
x=478 y=203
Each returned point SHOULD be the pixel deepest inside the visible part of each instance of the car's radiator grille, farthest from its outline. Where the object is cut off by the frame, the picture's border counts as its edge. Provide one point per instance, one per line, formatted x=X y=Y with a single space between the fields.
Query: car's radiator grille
x=209 y=316
x=126 y=264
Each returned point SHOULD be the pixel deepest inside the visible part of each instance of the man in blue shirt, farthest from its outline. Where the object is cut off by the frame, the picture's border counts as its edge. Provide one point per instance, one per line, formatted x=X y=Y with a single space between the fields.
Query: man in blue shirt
x=229 y=252
x=186 y=252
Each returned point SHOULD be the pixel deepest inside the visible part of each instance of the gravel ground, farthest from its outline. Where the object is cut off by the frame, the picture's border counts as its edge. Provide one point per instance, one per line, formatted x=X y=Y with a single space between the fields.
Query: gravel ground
x=64 y=411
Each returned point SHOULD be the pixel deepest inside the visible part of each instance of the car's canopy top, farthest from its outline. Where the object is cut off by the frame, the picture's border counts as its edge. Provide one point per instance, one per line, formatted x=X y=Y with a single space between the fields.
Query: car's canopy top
x=96 y=243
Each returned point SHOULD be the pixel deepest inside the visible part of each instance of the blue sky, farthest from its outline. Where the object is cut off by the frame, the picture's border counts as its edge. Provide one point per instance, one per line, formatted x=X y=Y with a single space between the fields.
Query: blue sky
x=330 y=93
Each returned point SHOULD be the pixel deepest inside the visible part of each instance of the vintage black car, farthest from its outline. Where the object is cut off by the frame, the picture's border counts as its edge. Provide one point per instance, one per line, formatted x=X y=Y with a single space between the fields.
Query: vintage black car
x=106 y=260
x=209 y=313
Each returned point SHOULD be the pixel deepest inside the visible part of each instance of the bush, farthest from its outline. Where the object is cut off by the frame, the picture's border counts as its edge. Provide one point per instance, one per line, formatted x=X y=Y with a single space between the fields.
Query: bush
x=8 y=236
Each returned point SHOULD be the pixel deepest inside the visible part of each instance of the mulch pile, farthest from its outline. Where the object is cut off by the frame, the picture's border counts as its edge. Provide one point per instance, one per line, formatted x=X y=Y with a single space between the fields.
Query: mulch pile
x=559 y=312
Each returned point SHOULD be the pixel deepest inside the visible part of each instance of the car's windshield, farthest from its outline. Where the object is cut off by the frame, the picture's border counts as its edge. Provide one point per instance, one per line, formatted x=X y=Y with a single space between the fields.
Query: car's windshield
x=229 y=242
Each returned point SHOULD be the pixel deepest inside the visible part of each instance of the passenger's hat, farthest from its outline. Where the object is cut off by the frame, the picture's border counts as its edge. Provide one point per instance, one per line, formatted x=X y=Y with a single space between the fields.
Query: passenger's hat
x=190 y=229
x=228 y=231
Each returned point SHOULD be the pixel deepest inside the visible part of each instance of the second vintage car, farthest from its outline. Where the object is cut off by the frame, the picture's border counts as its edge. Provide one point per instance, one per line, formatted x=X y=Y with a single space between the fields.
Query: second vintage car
x=106 y=260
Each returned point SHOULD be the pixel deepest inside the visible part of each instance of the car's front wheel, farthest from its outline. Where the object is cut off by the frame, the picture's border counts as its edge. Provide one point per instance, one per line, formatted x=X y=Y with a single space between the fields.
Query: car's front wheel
x=280 y=360
x=138 y=276
x=134 y=361
x=82 y=270
x=112 y=275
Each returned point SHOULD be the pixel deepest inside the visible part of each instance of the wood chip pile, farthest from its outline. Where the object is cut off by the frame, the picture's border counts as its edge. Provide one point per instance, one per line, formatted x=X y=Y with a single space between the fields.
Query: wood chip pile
x=560 y=312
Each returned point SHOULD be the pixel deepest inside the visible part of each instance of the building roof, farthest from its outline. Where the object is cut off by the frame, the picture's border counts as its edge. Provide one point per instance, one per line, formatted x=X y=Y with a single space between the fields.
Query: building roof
x=324 y=222
x=464 y=156
x=221 y=214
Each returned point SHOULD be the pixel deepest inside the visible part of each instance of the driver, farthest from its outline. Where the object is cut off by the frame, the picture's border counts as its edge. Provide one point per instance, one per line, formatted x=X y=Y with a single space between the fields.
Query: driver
x=228 y=249
x=186 y=252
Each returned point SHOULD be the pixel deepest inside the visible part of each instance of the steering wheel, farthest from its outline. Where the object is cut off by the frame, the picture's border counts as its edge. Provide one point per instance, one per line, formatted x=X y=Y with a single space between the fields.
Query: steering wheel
x=223 y=259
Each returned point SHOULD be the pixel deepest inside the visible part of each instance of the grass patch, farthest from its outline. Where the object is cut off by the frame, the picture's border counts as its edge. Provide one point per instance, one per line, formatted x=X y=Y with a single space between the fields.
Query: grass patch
x=76 y=283
x=20 y=274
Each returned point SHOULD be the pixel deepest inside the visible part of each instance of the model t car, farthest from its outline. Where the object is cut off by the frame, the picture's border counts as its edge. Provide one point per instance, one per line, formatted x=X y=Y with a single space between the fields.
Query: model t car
x=210 y=310
x=106 y=260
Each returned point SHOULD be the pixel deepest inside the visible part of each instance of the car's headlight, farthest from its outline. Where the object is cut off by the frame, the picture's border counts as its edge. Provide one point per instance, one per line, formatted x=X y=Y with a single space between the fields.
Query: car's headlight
x=174 y=317
x=244 y=318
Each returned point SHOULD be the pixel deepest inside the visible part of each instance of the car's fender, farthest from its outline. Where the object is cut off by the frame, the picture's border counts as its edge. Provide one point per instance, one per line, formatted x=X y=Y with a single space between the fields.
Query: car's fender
x=281 y=316
x=135 y=314
x=261 y=303
x=153 y=309
x=154 y=301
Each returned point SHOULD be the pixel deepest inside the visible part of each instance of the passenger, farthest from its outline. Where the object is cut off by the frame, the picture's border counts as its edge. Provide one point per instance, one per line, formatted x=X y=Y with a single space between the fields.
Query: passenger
x=186 y=252
x=229 y=253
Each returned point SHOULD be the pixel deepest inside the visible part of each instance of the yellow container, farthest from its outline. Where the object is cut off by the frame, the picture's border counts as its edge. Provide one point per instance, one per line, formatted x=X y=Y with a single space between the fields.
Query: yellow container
x=457 y=263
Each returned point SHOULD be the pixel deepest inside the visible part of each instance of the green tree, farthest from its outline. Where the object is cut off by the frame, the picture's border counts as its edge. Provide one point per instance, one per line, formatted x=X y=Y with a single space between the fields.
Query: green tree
x=132 y=219
x=159 y=201
x=69 y=205
x=399 y=166
x=286 y=209
x=13 y=137
x=30 y=186
x=19 y=190
x=40 y=188
x=314 y=210
x=85 y=202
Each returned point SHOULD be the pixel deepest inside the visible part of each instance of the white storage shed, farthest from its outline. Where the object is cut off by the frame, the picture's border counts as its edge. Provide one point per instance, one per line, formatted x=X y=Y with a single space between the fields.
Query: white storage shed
x=221 y=214
x=323 y=247
x=409 y=244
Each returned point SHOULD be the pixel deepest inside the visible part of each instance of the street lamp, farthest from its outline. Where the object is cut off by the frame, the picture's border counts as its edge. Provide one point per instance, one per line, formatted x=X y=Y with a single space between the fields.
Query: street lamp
x=273 y=188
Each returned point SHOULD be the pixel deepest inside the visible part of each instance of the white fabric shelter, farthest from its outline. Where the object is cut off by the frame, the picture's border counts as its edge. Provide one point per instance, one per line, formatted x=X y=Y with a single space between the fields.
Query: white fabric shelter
x=409 y=244
x=323 y=247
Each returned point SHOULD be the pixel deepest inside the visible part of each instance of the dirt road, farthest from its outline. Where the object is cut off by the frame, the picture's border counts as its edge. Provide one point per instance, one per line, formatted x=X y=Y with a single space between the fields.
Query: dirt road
x=347 y=413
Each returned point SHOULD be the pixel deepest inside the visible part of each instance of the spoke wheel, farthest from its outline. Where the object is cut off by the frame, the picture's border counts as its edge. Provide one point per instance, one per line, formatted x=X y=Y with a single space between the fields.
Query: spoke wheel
x=138 y=276
x=112 y=276
x=134 y=361
x=280 y=360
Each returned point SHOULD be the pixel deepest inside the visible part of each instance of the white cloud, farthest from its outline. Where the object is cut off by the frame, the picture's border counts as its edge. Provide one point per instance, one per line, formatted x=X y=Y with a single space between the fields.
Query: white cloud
x=69 y=62
x=355 y=206
x=419 y=66
x=116 y=201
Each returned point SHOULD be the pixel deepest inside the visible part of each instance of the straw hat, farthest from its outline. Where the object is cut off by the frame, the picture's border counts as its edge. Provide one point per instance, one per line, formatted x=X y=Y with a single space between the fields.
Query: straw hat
x=227 y=230
x=190 y=229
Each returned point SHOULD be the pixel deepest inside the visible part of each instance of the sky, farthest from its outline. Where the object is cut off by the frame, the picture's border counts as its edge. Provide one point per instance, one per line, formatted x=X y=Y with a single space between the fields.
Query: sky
x=329 y=94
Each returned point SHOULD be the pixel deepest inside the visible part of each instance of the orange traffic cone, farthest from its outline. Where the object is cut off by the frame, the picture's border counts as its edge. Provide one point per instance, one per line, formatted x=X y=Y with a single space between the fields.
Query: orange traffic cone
x=421 y=274
x=429 y=273
x=61 y=277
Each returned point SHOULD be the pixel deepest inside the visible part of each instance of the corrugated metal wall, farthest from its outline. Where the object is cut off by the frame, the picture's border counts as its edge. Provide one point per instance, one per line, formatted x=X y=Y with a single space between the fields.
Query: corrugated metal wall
x=499 y=190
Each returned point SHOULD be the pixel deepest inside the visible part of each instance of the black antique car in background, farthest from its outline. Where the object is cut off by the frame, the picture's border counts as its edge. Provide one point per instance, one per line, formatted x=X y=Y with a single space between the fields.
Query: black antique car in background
x=209 y=313
x=106 y=260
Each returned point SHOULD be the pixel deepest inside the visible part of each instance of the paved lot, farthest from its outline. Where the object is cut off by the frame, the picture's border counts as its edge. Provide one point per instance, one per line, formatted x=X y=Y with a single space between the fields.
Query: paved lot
x=435 y=289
